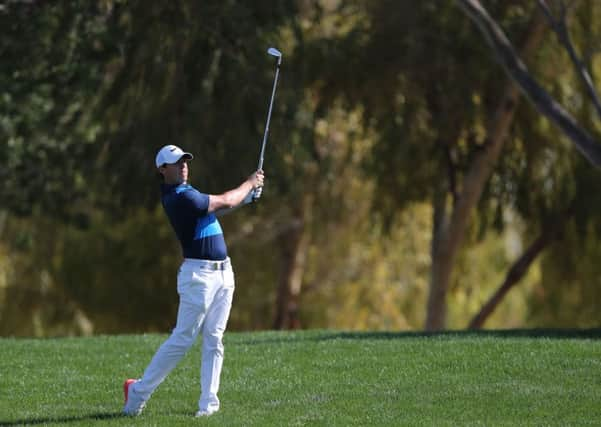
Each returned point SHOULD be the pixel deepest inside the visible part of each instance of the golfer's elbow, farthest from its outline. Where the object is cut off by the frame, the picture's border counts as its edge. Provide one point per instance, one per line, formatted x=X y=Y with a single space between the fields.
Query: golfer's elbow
x=222 y=201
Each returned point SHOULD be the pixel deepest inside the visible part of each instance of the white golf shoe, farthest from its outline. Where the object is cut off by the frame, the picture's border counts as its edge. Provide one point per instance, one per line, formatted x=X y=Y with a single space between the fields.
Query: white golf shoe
x=134 y=404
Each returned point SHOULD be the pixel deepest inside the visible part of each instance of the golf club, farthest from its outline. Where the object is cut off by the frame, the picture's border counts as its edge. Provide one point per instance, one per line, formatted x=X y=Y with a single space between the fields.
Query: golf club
x=273 y=52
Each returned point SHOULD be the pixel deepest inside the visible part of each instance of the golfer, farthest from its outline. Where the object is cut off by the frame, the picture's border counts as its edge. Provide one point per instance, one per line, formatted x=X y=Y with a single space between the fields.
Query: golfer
x=205 y=282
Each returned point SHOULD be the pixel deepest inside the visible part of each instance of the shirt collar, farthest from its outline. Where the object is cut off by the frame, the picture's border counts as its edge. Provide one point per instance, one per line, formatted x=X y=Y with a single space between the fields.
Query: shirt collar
x=169 y=188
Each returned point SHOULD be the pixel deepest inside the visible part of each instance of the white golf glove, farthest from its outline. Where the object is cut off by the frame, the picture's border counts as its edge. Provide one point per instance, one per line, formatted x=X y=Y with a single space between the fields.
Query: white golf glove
x=257 y=193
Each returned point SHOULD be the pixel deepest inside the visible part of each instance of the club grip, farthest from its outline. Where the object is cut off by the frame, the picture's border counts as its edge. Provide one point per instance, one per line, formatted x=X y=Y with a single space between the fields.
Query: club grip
x=257 y=193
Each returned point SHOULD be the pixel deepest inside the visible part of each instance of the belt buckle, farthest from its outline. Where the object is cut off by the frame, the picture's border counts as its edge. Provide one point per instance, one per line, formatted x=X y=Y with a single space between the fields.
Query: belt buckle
x=215 y=266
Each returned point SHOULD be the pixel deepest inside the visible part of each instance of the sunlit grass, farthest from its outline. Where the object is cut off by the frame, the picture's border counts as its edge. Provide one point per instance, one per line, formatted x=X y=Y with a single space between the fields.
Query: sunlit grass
x=316 y=378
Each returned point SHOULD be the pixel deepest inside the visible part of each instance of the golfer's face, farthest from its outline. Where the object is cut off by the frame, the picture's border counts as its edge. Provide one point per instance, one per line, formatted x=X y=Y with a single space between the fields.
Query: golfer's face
x=176 y=173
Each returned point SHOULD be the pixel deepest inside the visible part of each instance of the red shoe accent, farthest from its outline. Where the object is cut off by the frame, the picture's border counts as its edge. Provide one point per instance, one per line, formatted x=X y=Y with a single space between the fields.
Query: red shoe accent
x=126 y=385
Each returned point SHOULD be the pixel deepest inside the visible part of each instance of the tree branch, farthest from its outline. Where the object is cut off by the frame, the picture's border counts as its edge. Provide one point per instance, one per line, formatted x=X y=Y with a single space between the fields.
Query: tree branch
x=514 y=275
x=519 y=269
x=452 y=170
x=559 y=26
x=517 y=70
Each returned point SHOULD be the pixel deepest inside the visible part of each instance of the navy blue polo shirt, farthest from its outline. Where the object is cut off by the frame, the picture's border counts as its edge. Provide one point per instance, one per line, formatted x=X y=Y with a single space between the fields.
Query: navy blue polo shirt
x=198 y=231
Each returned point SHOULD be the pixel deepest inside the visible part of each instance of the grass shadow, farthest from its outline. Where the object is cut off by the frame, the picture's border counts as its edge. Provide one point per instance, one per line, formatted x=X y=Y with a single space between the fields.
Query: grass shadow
x=501 y=333
x=282 y=337
x=73 y=419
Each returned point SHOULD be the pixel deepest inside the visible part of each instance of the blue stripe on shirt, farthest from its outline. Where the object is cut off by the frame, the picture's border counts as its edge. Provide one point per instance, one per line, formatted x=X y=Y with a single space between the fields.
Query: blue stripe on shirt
x=207 y=226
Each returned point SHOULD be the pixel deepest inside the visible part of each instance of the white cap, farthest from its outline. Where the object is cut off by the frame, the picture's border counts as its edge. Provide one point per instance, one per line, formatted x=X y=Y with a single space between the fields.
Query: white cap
x=171 y=154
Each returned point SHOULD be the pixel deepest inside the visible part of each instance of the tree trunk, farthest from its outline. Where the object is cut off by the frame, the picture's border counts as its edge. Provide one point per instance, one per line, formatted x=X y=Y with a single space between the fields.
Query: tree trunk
x=449 y=237
x=520 y=268
x=440 y=269
x=514 y=275
x=294 y=245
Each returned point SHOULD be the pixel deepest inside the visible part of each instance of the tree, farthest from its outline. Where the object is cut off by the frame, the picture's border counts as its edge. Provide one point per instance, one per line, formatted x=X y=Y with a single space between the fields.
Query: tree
x=453 y=129
x=516 y=69
x=550 y=108
x=449 y=231
x=92 y=92
x=52 y=68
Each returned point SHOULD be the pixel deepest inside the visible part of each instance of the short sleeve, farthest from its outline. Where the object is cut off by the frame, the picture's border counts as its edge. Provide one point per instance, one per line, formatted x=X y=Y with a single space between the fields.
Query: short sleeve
x=196 y=201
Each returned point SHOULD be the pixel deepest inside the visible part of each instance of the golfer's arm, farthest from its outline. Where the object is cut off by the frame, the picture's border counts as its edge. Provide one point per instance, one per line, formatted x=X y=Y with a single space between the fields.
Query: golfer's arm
x=221 y=203
x=248 y=199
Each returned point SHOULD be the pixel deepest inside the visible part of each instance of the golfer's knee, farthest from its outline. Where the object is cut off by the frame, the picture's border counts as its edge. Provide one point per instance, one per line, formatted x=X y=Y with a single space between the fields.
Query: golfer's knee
x=213 y=342
x=182 y=340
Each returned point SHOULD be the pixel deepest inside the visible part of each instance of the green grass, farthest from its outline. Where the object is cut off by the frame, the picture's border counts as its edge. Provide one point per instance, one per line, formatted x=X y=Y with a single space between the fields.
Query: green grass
x=525 y=378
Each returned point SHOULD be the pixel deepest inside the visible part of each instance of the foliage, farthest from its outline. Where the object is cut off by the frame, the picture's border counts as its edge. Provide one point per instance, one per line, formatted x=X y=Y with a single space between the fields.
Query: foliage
x=378 y=103
x=125 y=280
x=53 y=61
x=481 y=269
x=380 y=283
x=569 y=289
x=566 y=186
x=32 y=302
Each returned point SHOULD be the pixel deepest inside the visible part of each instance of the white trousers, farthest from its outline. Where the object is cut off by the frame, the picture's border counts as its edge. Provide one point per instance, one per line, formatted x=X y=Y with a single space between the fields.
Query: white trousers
x=205 y=301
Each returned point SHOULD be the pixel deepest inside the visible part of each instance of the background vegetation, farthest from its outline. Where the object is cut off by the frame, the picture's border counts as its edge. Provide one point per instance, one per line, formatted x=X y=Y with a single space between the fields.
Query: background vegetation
x=409 y=181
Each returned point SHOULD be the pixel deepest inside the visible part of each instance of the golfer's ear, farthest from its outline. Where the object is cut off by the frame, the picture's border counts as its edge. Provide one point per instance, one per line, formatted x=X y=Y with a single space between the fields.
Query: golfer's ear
x=160 y=174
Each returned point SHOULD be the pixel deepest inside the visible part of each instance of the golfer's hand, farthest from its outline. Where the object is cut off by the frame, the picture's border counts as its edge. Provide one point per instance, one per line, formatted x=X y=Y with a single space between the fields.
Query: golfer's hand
x=257 y=193
x=257 y=180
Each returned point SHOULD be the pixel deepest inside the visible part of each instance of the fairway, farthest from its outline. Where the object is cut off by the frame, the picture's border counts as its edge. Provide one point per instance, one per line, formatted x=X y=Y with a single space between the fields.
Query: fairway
x=526 y=378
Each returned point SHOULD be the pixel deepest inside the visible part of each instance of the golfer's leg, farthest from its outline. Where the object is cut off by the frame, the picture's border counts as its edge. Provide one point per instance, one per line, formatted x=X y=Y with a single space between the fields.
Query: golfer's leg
x=212 y=344
x=191 y=314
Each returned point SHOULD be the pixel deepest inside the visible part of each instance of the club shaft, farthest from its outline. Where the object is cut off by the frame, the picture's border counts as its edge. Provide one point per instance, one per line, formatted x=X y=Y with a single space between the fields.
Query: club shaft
x=275 y=83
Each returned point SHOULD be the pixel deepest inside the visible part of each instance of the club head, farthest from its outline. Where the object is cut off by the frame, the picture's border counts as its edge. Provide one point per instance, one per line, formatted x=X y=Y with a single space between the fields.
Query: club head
x=274 y=52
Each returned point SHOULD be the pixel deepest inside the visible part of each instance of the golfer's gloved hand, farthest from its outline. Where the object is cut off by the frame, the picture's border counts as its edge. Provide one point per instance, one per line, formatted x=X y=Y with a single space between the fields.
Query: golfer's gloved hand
x=257 y=179
x=257 y=193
